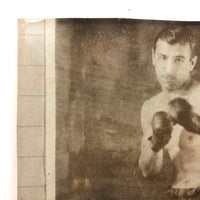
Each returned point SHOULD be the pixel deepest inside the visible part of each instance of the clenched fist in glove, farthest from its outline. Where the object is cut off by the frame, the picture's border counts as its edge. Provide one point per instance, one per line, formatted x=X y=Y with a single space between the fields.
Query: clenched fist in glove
x=181 y=112
x=162 y=128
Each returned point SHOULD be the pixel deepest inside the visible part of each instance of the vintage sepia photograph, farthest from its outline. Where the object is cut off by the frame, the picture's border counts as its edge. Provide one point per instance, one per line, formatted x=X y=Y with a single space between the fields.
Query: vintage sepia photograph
x=127 y=109
x=121 y=114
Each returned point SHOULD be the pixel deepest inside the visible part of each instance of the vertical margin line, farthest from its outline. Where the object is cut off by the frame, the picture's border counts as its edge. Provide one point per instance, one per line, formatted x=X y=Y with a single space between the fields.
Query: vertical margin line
x=45 y=108
x=50 y=119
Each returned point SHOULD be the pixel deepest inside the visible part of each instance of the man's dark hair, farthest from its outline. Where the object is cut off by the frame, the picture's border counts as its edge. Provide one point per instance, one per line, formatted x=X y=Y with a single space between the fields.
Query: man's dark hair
x=178 y=34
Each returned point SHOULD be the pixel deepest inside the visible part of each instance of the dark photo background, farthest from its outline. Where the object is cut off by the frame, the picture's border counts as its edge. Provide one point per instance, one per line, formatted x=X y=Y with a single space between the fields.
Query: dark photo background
x=103 y=76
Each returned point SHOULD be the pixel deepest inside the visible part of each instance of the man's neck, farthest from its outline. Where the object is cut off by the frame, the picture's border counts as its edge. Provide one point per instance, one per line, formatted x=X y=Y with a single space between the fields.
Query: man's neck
x=169 y=95
x=184 y=90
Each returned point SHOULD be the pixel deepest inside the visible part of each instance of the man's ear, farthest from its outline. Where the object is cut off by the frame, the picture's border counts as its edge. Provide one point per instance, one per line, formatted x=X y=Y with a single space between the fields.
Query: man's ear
x=193 y=62
x=153 y=56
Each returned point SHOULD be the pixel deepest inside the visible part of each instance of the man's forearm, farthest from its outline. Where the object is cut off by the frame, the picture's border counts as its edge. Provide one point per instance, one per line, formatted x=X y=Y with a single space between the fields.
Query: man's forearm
x=151 y=162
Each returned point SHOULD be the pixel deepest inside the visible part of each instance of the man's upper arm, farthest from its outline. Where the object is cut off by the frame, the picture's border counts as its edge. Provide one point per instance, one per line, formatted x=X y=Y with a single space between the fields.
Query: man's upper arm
x=150 y=162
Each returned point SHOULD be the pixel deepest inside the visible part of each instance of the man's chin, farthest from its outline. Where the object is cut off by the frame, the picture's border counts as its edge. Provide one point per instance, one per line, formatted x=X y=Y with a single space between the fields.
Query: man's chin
x=174 y=88
x=170 y=89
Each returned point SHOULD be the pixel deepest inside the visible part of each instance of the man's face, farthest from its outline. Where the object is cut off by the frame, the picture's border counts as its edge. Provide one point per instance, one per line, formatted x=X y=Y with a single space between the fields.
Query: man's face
x=173 y=64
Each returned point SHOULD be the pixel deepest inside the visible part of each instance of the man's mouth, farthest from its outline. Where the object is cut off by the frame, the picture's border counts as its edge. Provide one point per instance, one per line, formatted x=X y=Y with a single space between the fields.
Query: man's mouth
x=169 y=79
x=170 y=83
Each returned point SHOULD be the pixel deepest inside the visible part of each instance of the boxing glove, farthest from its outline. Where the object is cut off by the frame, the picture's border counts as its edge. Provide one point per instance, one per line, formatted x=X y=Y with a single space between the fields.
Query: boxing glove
x=162 y=128
x=181 y=112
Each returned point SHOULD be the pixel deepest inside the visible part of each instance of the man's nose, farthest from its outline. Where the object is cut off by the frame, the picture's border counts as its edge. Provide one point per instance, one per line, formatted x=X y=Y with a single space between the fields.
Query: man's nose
x=169 y=68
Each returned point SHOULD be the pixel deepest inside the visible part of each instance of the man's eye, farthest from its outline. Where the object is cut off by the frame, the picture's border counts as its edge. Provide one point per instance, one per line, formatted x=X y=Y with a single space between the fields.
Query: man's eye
x=163 y=57
x=178 y=60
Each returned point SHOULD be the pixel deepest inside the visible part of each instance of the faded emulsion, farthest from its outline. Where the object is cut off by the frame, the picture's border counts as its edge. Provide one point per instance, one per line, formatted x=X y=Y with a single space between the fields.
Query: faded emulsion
x=104 y=74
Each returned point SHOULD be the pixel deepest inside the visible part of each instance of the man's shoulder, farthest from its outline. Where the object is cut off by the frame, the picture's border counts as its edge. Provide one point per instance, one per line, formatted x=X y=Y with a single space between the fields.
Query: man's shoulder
x=152 y=105
x=153 y=101
x=194 y=98
x=149 y=107
x=196 y=89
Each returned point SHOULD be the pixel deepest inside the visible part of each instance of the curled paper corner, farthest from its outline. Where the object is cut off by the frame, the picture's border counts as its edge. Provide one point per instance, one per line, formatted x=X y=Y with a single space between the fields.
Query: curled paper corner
x=34 y=20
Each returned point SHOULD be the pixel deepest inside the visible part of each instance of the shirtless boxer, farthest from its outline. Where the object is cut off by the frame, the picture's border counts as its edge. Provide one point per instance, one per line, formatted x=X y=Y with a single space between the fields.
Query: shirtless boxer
x=171 y=119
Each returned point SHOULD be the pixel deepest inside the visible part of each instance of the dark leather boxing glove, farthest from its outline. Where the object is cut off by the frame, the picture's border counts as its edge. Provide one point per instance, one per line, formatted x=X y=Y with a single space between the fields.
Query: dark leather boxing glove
x=181 y=112
x=162 y=128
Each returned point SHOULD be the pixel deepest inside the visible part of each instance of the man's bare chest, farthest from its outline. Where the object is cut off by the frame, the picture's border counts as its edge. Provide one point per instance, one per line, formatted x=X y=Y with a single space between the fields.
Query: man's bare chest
x=184 y=143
